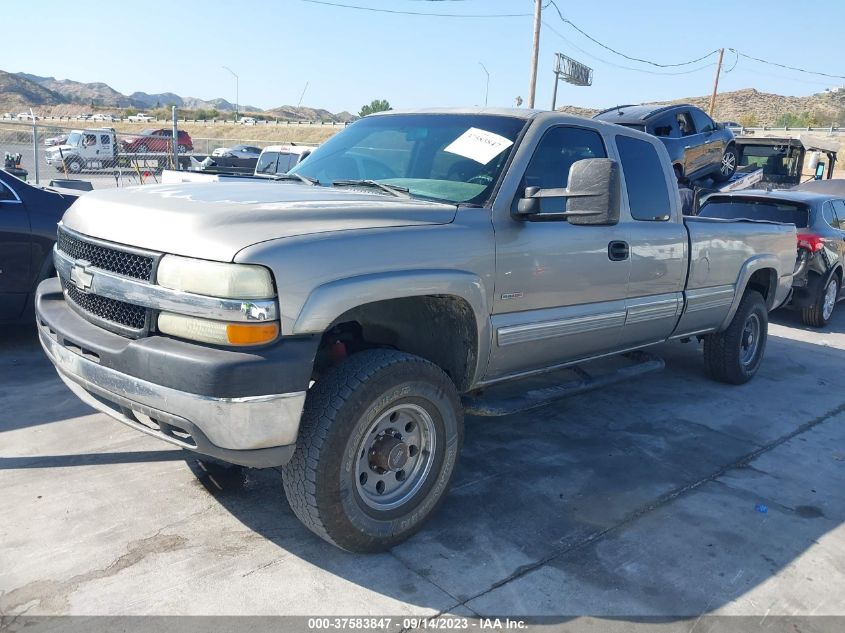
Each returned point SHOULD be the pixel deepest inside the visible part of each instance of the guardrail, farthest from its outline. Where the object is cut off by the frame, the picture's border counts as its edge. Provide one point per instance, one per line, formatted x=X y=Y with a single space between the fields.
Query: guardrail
x=830 y=129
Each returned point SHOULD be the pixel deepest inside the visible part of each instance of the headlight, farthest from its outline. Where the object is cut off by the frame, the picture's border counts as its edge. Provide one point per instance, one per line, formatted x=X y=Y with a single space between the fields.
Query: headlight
x=217 y=332
x=215 y=279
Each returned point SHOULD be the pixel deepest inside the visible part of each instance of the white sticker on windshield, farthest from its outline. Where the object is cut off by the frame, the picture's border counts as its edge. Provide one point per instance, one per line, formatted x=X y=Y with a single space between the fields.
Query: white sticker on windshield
x=478 y=145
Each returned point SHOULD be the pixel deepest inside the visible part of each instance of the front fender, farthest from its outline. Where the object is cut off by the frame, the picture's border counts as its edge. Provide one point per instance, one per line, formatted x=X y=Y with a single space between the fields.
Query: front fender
x=328 y=302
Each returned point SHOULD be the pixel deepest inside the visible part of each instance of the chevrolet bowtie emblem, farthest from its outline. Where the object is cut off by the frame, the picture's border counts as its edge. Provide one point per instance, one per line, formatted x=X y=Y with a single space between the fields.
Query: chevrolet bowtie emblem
x=80 y=277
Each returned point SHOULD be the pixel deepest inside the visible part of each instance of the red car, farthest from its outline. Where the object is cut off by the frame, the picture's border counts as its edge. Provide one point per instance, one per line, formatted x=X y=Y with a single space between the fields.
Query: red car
x=157 y=141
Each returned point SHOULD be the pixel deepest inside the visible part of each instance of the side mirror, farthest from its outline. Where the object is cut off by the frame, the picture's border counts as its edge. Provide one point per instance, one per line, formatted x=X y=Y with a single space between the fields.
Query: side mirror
x=592 y=195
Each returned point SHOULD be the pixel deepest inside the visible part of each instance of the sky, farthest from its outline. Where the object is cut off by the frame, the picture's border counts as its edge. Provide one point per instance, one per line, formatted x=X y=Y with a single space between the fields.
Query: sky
x=349 y=57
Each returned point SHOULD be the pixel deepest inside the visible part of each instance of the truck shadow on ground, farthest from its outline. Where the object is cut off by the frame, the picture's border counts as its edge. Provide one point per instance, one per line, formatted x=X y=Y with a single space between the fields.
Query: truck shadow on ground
x=616 y=503
x=24 y=366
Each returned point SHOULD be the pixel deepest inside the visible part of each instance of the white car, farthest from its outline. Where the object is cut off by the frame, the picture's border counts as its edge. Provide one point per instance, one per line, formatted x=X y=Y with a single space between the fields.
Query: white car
x=104 y=117
x=247 y=120
x=26 y=116
x=277 y=159
x=140 y=118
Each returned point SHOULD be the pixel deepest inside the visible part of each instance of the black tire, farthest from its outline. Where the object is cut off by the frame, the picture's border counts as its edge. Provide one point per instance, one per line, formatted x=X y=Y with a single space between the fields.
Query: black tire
x=335 y=441
x=181 y=149
x=74 y=164
x=727 y=166
x=141 y=149
x=727 y=357
x=818 y=314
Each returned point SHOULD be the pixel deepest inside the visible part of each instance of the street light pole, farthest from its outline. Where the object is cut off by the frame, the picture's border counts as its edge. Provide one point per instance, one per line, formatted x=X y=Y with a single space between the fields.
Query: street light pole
x=487 y=86
x=236 y=90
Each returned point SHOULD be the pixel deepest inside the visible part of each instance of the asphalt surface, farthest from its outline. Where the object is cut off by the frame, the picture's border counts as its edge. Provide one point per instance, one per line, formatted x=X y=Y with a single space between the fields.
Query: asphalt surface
x=670 y=495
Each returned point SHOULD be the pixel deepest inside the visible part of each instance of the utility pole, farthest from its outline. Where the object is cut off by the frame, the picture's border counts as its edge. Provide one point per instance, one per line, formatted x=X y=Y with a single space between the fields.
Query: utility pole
x=532 y=85
x=716 y=82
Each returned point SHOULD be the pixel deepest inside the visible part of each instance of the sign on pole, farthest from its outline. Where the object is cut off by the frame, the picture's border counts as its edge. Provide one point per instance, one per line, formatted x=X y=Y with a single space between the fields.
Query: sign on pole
x=572 y=72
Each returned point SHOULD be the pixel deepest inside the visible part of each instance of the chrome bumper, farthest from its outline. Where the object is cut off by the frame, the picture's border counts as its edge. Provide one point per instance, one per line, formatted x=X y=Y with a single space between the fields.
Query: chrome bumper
x=222 y=427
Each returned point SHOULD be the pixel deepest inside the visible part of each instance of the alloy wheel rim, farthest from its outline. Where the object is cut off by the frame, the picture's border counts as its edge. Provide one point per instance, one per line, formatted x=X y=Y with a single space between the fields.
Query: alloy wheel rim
x=829 y=300
x=728 y=163
x=750 y=340
x=395 y=457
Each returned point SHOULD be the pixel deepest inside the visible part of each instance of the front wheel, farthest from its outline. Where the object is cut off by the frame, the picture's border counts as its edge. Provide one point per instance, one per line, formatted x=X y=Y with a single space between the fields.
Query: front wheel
x=74 y=164
x=734 y=355
x=727 y=168
x=819 y=313
x=378 y=444
x=181 y=149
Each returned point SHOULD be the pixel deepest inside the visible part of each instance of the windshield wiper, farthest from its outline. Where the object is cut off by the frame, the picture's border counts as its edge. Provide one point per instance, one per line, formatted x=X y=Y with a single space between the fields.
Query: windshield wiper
x=306 y=179
x=394 y=190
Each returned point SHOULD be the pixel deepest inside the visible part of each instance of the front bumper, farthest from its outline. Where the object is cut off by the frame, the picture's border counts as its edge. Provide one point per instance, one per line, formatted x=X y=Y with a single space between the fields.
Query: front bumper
x=189 y=395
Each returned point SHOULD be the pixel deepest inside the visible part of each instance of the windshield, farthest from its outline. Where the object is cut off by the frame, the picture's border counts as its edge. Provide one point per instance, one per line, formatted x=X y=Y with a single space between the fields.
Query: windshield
x=149 y=132
x=75 y=138
x=454 y=158
x=770 y=210
x=776 y=160
x=267 y=163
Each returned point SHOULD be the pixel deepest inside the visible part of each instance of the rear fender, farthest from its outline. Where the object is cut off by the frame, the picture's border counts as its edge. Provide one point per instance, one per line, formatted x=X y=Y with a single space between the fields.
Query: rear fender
x=751 y=266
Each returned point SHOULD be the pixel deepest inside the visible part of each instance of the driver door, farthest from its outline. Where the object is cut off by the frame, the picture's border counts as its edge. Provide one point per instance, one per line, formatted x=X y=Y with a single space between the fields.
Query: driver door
x=559 y=296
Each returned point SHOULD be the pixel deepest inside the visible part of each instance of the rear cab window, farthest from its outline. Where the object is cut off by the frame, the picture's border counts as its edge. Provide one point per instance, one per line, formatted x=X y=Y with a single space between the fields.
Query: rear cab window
x=750 y=209
x=645 y=182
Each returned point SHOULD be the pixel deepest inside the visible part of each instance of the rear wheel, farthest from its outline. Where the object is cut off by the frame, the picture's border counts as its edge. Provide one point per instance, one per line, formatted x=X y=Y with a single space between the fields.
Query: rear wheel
x=142 y=149
x=819 y=313
x=727 y=168
x=181 y=149
x=378 y=444
x=734 y=355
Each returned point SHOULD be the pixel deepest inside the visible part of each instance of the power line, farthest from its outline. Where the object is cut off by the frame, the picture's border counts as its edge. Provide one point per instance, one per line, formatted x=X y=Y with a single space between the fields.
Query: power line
x=615 y=65
x=398 y=12
x=616 y=52
x=800 y=70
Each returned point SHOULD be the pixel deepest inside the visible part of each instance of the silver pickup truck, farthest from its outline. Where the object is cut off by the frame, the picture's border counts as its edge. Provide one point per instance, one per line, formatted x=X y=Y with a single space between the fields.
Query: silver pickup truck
x=329 y=323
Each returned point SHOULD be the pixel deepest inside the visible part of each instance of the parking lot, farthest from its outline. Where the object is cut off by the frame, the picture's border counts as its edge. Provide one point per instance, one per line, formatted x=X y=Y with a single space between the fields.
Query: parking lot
x=668 y=496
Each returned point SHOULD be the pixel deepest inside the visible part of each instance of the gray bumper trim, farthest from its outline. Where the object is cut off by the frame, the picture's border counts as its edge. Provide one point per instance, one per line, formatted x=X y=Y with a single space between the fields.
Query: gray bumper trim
x=230 y=424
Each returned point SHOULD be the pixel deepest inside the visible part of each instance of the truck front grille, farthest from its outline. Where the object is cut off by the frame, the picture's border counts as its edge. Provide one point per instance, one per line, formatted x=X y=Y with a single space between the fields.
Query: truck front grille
x=117 y=261
x=124 y=314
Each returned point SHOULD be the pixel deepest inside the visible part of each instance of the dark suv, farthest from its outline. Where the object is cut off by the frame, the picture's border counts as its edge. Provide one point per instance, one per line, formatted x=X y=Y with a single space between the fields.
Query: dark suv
x=157 y=141
x=820 y=219
x=698 y=146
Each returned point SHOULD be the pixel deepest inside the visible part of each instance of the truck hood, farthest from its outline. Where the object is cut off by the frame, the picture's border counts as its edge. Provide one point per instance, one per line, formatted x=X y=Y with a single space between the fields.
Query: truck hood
x=216 y=220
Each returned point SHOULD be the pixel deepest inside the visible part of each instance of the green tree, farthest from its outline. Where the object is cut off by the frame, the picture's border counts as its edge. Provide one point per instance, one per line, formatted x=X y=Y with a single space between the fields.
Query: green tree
x=129 y=112
x=791 y=119
x=376 y=105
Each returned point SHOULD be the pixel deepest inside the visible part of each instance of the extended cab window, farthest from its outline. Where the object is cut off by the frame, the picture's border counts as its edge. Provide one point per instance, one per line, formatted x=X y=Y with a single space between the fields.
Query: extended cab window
x=559 y=149
x=648 y=195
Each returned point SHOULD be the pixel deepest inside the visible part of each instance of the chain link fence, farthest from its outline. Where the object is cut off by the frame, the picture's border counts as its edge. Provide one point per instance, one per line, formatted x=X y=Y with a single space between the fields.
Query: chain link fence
x=96 y=151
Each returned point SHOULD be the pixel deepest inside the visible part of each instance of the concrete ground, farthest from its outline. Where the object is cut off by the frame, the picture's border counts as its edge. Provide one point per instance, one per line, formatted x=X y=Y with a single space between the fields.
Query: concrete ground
x=670 y=495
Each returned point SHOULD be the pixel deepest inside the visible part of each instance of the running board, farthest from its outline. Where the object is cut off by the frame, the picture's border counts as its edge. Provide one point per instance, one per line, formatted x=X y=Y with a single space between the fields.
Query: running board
x=484 y=405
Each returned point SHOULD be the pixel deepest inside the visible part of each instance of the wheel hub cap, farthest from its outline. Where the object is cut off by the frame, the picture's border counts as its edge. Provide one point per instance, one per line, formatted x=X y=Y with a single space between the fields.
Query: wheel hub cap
x=389 y=453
